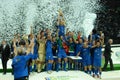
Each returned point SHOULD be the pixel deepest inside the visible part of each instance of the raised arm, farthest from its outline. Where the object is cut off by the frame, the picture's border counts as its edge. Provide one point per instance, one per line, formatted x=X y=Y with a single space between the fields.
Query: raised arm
x=60 y=18
x=90 y=37
x=102 y=42
x=30 y=49
x=14 y=46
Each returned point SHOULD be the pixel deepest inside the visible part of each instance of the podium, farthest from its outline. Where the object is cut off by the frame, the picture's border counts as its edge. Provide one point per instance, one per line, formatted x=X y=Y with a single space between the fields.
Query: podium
x=76 y=60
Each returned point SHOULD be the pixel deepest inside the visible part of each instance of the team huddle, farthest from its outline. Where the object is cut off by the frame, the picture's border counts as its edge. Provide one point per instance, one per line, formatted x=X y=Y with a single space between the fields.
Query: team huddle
x=38 y=52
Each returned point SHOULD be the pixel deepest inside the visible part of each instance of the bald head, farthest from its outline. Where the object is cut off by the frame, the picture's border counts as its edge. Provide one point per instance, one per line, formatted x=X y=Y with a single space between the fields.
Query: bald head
x=110 y=41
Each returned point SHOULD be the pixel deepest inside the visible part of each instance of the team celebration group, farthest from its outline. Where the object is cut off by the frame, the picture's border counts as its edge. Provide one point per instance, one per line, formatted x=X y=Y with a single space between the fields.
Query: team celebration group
x=50 y=50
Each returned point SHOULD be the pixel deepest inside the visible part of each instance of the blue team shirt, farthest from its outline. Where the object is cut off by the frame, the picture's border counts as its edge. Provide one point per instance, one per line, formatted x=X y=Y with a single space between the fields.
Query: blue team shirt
x=61 y=30
x=78 y=48
x=85 y=52
x=97 y=56
x=98 y=53
x=49 y=48
x=19 y=64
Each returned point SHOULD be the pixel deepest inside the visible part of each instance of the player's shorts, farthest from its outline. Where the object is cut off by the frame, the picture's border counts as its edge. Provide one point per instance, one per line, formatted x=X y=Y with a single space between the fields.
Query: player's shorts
x=49 y=56
x=97 y=63
x=61 y=53
x=86 y=61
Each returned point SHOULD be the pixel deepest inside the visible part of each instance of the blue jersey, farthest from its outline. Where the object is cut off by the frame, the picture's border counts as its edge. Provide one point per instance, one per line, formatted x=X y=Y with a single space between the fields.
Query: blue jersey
x=98 y=53
x=61 y=30
x=49 y=53
x=78 y=48
x=97 y=56
x=19 y=64
x=85 y=52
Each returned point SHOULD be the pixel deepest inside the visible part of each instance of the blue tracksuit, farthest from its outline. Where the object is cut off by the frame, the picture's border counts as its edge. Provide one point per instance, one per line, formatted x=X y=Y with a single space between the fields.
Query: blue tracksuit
x=49 y=53
x=85 y=53
x=97 y=56
x=19 y=64
x=61 y=30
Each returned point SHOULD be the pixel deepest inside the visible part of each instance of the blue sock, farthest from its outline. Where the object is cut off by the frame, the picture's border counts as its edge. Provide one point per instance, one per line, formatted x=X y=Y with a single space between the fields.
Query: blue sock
x=70 y=65
x=34 y=67
x=58 y=66
x=30 y=68
x=65 y=63
x=93 y=70
x=86 y=71
x=48 y=66
x=96 y=71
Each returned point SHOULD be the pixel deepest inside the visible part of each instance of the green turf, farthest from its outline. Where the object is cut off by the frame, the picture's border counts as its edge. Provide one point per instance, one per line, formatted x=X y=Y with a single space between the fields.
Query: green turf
x=116 y=66
x=8 y=70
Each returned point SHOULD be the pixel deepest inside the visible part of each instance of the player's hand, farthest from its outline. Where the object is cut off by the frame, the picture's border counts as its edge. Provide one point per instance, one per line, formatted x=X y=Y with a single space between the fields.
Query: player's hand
x=14 y=40
x=28 y=50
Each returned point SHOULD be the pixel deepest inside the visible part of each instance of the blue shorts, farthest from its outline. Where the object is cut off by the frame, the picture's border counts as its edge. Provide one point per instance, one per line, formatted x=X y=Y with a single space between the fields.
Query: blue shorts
x=86 y=61
x=49 y=56
x=62 y=54
x=97 y=63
